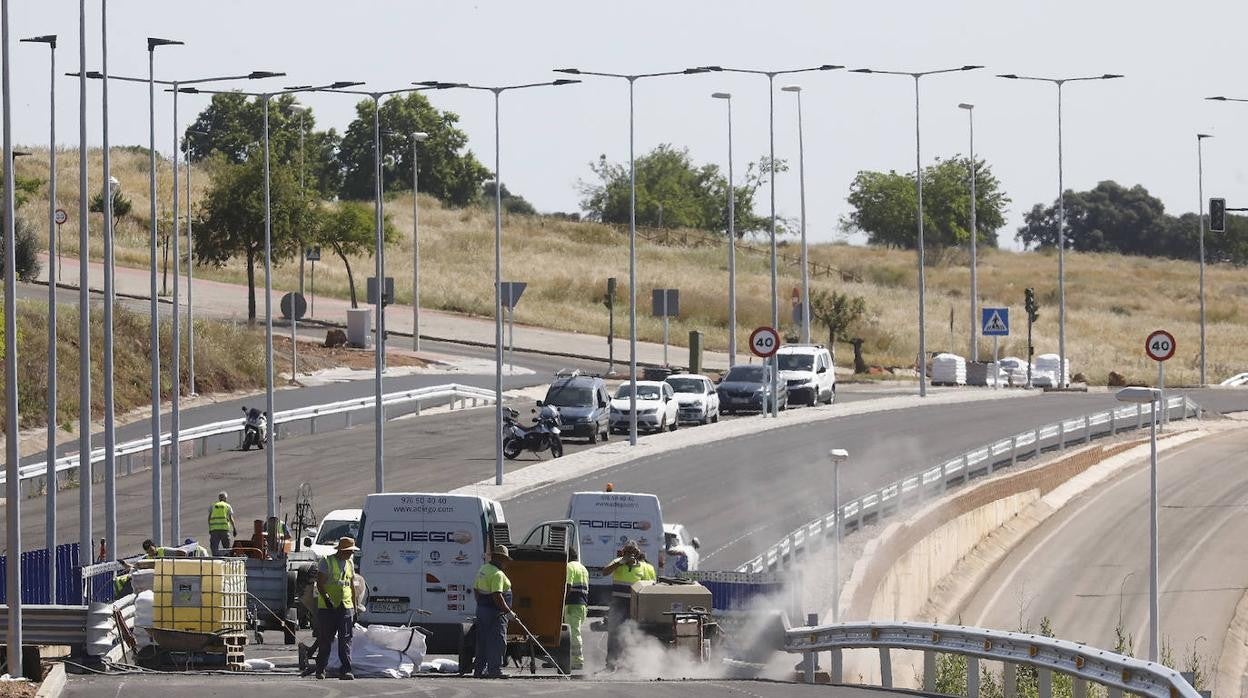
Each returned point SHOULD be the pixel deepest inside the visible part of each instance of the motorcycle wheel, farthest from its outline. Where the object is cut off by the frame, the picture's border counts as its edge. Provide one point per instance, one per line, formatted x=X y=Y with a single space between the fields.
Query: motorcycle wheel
x=511 y=449
x=556 y=447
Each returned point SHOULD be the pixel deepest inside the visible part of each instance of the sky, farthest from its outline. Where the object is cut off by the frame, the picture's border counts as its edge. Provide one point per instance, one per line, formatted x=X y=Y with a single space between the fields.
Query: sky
x=1137 y=130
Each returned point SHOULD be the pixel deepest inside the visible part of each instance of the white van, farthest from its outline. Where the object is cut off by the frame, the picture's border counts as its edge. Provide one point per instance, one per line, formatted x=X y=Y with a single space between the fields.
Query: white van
x=335 y=525
x=420 y=553
x=808 y=371
x=604 y=521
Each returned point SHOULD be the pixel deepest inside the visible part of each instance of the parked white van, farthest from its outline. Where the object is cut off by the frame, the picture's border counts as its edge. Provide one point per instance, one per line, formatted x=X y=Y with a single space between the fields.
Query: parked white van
x=335 y=525
x=808 y=371
x=604 y=521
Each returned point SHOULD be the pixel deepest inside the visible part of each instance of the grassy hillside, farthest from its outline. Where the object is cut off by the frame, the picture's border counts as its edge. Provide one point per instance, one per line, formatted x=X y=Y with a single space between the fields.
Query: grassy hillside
x=1112 y=301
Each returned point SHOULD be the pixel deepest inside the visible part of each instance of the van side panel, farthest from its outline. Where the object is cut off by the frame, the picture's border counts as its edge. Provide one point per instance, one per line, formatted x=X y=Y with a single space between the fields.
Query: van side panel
x=605 y=520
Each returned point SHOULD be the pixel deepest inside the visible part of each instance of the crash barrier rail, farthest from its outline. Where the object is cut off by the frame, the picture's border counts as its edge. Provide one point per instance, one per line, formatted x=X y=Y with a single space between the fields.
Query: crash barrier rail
x=43 y=624
x=37 y=565
x=453 y=391
x=1046 y=655
x=961 y=469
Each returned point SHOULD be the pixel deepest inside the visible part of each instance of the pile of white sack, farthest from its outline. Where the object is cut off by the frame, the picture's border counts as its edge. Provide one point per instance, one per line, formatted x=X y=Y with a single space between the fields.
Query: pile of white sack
x=948 y=369
x=1045 y=371
x=383 y=651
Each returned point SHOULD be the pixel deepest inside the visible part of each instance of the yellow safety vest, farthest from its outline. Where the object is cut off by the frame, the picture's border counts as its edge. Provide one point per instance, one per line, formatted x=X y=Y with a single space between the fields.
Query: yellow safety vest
x=623 y=577
x=339 y=587
x=219 y=517
x=578 y=585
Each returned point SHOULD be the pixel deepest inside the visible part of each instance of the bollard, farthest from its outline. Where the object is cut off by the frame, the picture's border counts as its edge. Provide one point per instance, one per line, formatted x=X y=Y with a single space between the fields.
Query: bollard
x=1087 y=429
x=929 y=671
x=886 y=668
x=972 y=677
x=695 y=351
x=1009 y=680
x=1013 y=451
x=1038 y=448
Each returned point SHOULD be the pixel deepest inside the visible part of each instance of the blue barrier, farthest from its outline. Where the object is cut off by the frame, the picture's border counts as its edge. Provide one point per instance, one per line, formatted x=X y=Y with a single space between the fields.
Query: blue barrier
x=736 y=591
x=37 y=565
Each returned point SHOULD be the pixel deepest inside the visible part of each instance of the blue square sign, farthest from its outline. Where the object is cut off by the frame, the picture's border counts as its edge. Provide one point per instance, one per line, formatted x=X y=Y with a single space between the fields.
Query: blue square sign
x=995 y=322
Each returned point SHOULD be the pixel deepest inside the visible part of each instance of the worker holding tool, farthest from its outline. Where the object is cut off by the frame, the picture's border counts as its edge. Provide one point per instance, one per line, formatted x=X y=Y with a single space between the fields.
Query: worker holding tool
x=220 y=524
x=493 y=592
x=335 y=607
x=151 y=551
x=576 y=605
x=629 y=567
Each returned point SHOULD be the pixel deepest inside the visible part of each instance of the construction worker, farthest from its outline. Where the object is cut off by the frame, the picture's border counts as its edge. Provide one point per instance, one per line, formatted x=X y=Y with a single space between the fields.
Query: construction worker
x=197 y=551
x=335 y=608
x=151 y=551
x=576 y=605
x=492 y=589
x=220 y=525
x=629 y=567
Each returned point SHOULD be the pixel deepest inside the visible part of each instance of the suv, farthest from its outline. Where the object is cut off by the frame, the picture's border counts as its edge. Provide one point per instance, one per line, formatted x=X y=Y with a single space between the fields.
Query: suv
x=747 y=388
x=583 y=406
x=808 y=372
x=696 y=396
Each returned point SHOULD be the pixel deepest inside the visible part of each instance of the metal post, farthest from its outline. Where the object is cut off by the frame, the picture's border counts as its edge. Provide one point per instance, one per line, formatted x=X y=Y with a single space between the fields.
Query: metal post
x=270 y=458
x=808 y=660
x=918 y=183
x=511 y=338
x=110 y=299
x=801 y=170
x=836 y=542
x=1200 y=218
x=996 y=369
x=1061 y=251
x=972 y=677
x=974 y=241
x=775 y=299
x=415 y=255
x=154 y=305
x=929 y=671
x=175 y=361
x=190 y=287
x=665 y=364
x=632 y=277
x=886 y=668
x=84 y=304
x=379 y=343
x=498 y=295
x=1161 y=396
x=732 y=250
x=53 y=247
x=1046 y=683
x=1009 y=680
x=1154 y=613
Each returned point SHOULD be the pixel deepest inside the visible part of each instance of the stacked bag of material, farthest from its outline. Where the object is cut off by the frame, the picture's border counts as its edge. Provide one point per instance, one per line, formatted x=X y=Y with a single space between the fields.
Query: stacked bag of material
x=144 y=617
x=1014 y=370
x=948 y=369
x=1044 y=374
x=383 y=651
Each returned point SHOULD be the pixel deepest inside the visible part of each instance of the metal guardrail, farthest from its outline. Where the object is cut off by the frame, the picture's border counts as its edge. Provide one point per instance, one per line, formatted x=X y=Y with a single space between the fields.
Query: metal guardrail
x=50 y=625
x=1118 y=673
x=960 y=470
x=452 y=391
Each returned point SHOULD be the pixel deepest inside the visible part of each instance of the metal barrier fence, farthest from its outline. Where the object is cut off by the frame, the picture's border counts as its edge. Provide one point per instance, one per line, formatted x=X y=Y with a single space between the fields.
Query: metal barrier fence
x=961 y=469
x=1046 y=655
x=37 y=565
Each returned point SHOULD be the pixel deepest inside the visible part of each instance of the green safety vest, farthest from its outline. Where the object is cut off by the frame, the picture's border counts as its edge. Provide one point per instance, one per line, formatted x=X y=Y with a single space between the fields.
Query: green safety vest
x=219 y=517
x=160 y=552
x=578 y=585
x=339 y=587
x=623 y=577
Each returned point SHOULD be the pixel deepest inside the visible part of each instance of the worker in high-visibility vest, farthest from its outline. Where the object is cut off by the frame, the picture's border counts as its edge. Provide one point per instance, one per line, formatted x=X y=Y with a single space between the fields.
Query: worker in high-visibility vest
x=625 y=570
x=220 y=525
x=492 y=590
x=151 y=551
x=576 y=605
x=335 y=608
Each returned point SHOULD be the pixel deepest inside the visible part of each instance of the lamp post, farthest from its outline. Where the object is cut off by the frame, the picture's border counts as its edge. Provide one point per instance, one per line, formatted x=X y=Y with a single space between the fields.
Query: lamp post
x=1061 y=216
x=918 y=185
x=732 y=240
x=837 y=456
x=632 y=230
x=974 y=354
x=498 y=257
x=417 y=138
x=1200 y=223
x=84 y=306
x=50 y=508
x=110 y=300
x=1150 y=396
x=190 y=275
x=801 y=177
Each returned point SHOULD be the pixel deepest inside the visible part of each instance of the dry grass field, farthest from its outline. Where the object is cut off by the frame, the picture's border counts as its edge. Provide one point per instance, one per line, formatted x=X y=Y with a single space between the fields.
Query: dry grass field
x=1112 y=301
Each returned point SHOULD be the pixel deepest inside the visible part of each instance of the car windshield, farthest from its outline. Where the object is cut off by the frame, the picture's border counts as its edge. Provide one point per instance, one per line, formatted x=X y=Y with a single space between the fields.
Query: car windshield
x=331 y=531
x=796 y=362
x=687 y=385
x=569 y=396
x=644 y=392
x=746 y=374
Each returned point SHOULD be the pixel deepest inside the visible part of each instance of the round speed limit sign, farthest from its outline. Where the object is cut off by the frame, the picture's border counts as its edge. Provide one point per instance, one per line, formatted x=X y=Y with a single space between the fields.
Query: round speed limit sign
x=764 y=342
x=61 y=216
x=1160 y=345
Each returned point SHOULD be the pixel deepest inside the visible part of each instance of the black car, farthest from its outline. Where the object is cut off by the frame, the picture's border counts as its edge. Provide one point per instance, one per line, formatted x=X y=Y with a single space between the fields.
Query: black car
x=583 y=407
x=747 y=388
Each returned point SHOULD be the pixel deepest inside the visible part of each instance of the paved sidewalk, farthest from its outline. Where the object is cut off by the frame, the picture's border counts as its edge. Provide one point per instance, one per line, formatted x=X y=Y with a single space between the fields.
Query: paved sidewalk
x=230 y=301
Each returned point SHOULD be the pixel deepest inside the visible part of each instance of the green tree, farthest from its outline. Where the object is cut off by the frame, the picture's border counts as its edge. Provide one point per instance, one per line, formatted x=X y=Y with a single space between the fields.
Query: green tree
x=884 y=205
x=836 y=311
x=1114 y=218
x=350 y=229
x=26 y=251
x=446 y=169
x=121 y=205
x=512 y=203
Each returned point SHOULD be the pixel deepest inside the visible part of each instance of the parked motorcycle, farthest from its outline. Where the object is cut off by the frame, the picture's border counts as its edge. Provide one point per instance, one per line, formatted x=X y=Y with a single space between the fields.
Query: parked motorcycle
x=542 y=436
x=255 y=428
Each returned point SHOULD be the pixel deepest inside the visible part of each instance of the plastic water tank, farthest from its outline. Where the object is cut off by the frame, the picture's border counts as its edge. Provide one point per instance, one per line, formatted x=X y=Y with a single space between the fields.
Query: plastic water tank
x=359 y=326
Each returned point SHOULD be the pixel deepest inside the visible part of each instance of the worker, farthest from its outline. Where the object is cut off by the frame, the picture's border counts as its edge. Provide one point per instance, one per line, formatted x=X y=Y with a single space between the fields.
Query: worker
x=196 y=551
x=629 y=567
x=576 y=605
x=283 y=531
x=335 y=607
x=220 y=525
x=492 y=589
x=151 y=551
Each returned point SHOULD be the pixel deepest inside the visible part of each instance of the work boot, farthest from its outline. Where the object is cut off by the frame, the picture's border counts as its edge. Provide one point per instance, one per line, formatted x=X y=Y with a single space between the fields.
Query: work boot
x=320 y=674
x=347 y=676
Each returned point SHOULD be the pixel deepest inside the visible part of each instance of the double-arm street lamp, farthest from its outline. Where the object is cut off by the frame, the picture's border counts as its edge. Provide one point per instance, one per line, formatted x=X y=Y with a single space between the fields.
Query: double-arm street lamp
x=974 y=354
x=1062 y=367
x=918 y=184
x=801 y=178
x=1200 y=223
x=732 y=239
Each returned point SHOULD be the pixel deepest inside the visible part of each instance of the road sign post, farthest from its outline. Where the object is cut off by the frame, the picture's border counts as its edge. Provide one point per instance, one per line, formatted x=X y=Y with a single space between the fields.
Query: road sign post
x=313 y=255
x=665 y=303
x=609 y=301
x=1160 y=347
x=510 y=293
x=995 y=323
x=60 y=217
x=764 y=343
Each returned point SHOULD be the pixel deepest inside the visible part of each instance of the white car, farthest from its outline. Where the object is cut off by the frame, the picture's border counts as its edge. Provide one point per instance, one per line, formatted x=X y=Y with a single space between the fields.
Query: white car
x=696 y=397
x=656 y=407
x=808 y=371
x=680 y=551
x=335 y=525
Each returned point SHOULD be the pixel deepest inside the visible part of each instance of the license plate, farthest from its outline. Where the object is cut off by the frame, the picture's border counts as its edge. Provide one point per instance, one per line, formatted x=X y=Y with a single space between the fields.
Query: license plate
x=741 y=401
x=389 y=604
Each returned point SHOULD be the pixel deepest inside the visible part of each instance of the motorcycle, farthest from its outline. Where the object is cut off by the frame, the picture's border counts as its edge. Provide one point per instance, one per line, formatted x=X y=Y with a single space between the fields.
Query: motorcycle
x=255 y=428
x=542 y=436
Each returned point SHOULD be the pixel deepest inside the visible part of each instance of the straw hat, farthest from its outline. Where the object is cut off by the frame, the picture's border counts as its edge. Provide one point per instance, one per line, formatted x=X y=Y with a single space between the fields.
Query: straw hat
x=501 y=551
x=347 y=543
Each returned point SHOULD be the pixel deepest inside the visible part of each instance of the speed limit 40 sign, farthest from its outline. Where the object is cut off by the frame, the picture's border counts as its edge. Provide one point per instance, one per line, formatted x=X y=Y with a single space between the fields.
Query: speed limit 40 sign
x=764 y=342
x=1160 y=345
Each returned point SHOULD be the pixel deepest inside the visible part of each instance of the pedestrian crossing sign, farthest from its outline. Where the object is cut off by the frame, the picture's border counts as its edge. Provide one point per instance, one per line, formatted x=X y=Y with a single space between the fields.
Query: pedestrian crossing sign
x=996 y=322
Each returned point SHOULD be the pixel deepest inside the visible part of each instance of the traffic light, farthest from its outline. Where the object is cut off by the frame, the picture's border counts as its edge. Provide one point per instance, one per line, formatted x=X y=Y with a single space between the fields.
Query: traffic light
x=1029 y=303
x=1217 y=215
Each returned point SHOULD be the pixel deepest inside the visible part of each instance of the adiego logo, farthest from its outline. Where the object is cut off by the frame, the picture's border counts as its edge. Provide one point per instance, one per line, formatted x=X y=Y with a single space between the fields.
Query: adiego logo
x=420 y=536
x=629 y=525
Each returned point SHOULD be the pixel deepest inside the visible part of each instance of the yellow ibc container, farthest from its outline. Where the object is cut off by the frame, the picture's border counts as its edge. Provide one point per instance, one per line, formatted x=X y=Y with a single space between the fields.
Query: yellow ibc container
x=200 y=595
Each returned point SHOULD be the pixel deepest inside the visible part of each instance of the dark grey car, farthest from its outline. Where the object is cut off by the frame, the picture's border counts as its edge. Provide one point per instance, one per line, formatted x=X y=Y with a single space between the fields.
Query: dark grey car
x=583 y=407
x=747 y=388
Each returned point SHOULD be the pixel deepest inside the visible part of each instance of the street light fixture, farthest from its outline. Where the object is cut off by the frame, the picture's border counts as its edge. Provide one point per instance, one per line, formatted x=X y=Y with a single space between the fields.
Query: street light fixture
x=1150 y=396
x=732 y=240
x=417 y=137
x=974 y=354
x=918 y=185
x=837 y=456
x=1062 y=367
x=632 y=228
x=801 y=176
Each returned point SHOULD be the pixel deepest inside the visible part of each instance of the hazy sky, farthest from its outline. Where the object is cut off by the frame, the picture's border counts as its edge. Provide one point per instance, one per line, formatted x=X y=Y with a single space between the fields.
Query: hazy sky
x=1137 y=130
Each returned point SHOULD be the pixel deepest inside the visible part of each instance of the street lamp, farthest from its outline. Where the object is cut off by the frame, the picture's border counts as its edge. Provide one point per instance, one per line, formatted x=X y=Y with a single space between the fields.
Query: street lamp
x=498 y=257
x=85 y=513
x=1061 y=217
x=918 y=185
x=1150 y=396
x=837 y=456
x=417 y=137
x=732 y=240
x=801 y=177
x=974 y=355
x=632 y=231
x=1200 y=222
x=771 y=131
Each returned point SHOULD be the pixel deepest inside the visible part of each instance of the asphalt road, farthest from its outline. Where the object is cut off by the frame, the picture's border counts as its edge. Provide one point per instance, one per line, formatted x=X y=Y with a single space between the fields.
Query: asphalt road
x=1086 y=567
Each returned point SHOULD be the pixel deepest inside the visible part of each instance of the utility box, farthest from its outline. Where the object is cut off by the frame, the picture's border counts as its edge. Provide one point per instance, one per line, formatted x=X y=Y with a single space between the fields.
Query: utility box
x=695 y=351
x=650 y=601
x=359 y=325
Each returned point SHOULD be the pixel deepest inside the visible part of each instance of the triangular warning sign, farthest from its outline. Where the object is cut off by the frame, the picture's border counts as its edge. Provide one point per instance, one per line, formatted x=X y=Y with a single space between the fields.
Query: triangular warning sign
x=995 y=324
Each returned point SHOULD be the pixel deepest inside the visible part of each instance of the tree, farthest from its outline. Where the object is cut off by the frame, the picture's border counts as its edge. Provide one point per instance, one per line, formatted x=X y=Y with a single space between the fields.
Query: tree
x=885 y=206
x=836 y=311
x=350 y=229
x=446 y=170
x=512 y=203
x=121 y=205
x=1111 y=218
x=26 y=250
x=675 y=191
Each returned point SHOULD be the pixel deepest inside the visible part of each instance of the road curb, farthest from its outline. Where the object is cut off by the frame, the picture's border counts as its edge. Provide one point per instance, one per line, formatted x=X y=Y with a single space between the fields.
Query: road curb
x=53 y=684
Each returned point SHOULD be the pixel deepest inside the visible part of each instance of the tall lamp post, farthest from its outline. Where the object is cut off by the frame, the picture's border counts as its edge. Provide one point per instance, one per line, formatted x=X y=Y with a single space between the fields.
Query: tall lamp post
x=837 y=456
x=632 y=229
x=974 y=354
x=801 y=178
x=732 y=240
x=417 y=138
x=498 y=257
x=85 y=514
x=1200 y=222
x=1150 y=396
x=1062 y=367
x=918 y=185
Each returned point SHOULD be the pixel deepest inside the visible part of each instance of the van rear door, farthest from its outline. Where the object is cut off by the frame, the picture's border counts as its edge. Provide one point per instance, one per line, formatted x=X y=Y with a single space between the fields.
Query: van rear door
x=605 y=521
